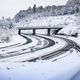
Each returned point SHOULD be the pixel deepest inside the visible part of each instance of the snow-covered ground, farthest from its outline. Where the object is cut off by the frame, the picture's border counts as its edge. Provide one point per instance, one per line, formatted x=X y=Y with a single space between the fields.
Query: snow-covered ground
x=34 y=42
x=39 y=53
x=16 y=39
x=63 y=67
x=75 y=39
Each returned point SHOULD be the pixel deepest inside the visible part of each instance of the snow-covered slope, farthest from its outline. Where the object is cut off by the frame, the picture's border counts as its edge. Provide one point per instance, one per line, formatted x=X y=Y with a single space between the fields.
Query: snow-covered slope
x=73 y=27
x=73 y=3
x=70 y=23
x=57 y=21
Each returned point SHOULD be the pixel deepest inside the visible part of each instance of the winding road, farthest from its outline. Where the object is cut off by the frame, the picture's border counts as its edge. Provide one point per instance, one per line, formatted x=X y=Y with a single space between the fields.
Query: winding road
x=37 y=47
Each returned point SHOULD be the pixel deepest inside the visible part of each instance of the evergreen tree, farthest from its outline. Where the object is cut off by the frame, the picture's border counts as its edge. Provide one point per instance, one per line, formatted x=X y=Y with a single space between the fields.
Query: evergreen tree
x=34 y=8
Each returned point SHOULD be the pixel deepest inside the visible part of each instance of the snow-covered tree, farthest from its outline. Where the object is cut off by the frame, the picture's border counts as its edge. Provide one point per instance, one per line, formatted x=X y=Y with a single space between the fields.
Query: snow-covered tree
x=34 y=8
x=7 y=29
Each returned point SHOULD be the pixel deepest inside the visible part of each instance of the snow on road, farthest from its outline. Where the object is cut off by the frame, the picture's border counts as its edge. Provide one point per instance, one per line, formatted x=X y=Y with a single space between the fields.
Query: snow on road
x=61 y=43
x=63 y=68
x=16 y=39
x=34 y=42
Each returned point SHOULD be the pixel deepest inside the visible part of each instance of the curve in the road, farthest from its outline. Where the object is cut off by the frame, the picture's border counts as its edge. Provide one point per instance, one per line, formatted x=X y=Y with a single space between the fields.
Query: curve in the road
x=49 y=55
x=12 y=54
x=71 y=44
x=18 y=44
x=37 y=51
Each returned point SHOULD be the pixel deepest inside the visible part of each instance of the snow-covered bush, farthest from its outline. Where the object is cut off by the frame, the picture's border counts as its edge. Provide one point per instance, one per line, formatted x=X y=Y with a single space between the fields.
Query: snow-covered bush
x=7 y=30
x=71 y=30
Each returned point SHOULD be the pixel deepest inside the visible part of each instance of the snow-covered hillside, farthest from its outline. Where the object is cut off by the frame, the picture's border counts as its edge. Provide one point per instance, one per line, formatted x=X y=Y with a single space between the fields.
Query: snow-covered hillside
x=66 y=16
x=57 y=21
x=69 y=23
x=73 y=27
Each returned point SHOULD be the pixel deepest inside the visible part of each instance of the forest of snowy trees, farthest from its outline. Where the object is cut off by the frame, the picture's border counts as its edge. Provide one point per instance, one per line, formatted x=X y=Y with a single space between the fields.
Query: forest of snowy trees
x=71 y=7
x=7 y=29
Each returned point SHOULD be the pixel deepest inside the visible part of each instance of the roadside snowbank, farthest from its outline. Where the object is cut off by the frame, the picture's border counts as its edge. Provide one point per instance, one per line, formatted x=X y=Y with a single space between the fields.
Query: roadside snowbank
x=16 y=39
x=62 y=69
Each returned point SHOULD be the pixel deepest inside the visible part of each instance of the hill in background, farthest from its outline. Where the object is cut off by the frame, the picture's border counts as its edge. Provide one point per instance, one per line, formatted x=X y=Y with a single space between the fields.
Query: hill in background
x=71 y=7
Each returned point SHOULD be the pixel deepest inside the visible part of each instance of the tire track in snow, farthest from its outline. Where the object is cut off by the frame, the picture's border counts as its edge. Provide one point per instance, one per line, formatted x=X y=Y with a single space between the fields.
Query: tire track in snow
x=23 y=51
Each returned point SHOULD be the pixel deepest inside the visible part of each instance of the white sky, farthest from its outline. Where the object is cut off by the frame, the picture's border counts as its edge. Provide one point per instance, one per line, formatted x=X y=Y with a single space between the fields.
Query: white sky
x=8 y=8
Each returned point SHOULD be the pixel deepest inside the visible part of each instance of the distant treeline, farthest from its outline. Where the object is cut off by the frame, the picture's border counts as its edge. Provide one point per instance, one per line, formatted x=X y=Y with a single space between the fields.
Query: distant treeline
x=72 y=6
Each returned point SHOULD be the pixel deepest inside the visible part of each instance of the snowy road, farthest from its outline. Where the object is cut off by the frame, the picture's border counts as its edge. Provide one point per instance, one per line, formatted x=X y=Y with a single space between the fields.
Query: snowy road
x=66 y=45
x=44 y=49
x=37 y=47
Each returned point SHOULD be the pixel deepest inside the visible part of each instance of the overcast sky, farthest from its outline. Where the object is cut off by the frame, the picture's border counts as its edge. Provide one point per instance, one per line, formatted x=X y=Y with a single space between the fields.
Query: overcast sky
x=8 y=8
